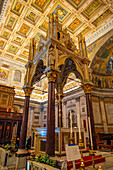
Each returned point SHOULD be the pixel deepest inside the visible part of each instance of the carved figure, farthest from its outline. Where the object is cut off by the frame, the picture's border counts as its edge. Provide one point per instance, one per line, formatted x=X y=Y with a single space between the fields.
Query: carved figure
x=109 y=66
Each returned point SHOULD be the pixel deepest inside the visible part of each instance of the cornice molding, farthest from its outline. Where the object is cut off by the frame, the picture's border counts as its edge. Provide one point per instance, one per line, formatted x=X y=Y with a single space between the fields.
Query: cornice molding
x=3 y=9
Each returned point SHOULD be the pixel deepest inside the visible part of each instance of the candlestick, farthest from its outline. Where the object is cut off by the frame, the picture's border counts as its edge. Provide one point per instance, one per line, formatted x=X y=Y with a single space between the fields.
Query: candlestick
x=79 y=126
x=90 y=132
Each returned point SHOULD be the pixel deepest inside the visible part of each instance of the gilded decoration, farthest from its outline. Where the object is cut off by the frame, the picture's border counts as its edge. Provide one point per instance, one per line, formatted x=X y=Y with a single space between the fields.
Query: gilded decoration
x=44 y=26
x=13 y=49
x=86 y=31
x=61 y=11
x=41 y=5
x=92 y=8
x=87 y=87
x=18 y=40
x=76 y=3
x=17 y=7
x=31 y=17
x=5 y=34
x=26 y=53
x=24 y=29
x=75 y=25
x=10 y=23
x=2 y=44
x=102 y=17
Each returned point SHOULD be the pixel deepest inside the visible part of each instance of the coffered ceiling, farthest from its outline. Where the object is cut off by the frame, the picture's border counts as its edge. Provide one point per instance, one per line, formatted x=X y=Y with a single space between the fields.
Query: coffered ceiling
x=24 y=19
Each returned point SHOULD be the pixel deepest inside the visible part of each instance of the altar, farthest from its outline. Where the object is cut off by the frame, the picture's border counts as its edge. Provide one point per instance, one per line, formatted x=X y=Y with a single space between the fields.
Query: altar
x=40 y=139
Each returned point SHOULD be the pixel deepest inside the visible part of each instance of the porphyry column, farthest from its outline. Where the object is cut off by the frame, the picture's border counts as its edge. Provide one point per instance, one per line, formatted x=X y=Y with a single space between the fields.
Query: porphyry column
x=50 y=139
x=23 y=132
x=87 y=89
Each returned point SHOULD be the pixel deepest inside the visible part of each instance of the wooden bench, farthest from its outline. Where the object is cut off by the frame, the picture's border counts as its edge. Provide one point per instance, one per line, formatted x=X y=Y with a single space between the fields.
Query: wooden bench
x=103 y=143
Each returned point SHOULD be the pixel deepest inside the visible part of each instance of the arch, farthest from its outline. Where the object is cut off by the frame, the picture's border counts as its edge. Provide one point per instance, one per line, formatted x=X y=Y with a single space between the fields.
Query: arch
x=38 y=70
x=98 y=47
x=78 y=65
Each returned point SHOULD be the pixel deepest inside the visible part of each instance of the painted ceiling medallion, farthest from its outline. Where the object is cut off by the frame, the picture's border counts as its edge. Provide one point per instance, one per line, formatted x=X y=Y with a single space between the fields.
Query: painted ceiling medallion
x=44 y=26
x=24 y=30
x=75 y=25
x=102 y=17
x=92 y=8
x=17 y=7
x=76 y=3
x=41 y=5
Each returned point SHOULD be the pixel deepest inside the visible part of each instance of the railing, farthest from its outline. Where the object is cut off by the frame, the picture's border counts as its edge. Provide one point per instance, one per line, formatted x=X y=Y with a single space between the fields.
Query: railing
x=11 y=115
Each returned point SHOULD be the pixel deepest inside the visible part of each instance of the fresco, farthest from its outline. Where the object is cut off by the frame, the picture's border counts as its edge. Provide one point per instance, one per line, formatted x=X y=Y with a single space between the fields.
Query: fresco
x=75 y=25
x=102 y=17
x=17 y=7
x=41 y=4
x=44 y=26
x=17 y=76
x=92 y=8
x=24 y=29
x=76 y=3
x=4 y=74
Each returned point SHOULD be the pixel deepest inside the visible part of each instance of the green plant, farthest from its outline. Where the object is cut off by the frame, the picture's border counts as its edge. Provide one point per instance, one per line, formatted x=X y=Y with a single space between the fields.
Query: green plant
x=46 y=160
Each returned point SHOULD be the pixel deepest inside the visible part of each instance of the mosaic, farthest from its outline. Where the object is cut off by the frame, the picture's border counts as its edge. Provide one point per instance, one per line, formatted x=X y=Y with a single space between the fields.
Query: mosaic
x=17 y=7
x=102 y=17
x=92 y=8
x=41 y=4
x=75 y=25
x=76 y=3
x=44 y=26
x=24 y=29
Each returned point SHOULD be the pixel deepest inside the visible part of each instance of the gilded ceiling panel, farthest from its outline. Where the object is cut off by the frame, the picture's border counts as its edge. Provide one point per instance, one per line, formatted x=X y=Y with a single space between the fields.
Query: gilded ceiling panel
x=41 y=5
x=18 y=40
x=75 y=25
x=13 y=49
x=86 y=31
x=10 y=22
x=102 y=17
x=92 y=8
x=17 y=7
x=76 y=3
x=5 y=34
x=2 y=44
x=24 y=30
x=31 y=17
x=44 y=26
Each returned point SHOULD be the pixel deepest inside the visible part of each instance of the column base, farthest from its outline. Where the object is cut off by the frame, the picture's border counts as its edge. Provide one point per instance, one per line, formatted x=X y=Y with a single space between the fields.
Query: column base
x=21 y=161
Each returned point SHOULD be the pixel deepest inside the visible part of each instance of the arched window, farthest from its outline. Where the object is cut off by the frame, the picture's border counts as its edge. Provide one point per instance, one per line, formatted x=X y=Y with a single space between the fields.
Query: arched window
x=17 y=75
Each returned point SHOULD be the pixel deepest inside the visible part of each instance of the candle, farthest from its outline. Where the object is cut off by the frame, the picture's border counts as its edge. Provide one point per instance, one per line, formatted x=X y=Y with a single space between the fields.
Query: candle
x=79 y=126
x=90 y=131
x=71 y=120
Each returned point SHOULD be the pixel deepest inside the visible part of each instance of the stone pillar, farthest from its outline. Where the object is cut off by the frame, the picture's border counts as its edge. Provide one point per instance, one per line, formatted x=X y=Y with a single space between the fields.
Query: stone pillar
x=23 y=131
x=103 y=115
x=65 y=114
x=87 y=89
x=78 y=112
x=50 y=139
x=59 y=98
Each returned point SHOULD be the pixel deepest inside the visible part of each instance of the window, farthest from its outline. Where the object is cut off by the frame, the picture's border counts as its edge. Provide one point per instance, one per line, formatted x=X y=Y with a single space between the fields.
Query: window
x=36 y=117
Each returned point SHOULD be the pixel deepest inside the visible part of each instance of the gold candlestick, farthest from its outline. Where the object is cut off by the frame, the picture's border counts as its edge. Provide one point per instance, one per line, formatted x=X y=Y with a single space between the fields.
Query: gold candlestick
x=92 y=153
x=81 y=145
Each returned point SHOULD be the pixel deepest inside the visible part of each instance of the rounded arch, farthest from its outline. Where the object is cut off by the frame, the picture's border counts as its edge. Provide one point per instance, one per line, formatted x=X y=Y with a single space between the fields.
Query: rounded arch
x=102 y=43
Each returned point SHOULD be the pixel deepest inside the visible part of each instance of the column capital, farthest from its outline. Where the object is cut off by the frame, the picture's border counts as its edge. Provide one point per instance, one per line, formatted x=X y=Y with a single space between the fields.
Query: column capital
x=51 y=74
x=28 y=90
x=87 y=87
